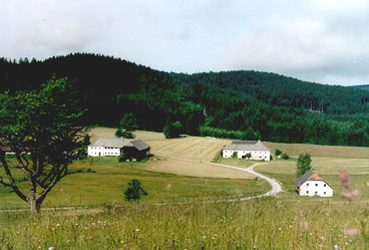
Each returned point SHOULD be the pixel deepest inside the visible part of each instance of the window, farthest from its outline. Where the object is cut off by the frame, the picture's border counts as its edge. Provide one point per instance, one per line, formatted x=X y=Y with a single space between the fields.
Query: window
x=316 y=184
x=307 y=192
x=316 y=192
x=325 y=185
x=325 y=192
x=307 y=184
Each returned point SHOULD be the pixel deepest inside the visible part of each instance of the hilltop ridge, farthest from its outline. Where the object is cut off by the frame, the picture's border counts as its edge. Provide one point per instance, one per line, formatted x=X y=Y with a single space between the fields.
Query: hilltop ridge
x=234 y=104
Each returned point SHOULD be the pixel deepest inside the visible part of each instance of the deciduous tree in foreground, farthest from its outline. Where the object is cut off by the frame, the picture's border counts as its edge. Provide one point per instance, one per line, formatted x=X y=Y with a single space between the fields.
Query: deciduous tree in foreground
x=44 y=130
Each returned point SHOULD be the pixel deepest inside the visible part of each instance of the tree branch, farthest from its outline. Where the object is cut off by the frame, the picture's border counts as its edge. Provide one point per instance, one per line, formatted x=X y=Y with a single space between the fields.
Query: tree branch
x=12 y=181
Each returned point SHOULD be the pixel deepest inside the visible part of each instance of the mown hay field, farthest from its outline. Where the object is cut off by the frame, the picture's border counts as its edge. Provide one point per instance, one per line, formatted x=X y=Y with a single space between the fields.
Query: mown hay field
x=190 y=147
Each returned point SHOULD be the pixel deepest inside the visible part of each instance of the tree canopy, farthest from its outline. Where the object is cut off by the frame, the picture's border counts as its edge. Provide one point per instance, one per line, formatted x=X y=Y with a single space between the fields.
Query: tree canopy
x=303 y=164
x=44 y=128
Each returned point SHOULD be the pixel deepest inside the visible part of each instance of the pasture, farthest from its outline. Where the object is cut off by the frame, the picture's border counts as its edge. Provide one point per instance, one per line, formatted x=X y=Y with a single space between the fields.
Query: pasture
x=179 y=174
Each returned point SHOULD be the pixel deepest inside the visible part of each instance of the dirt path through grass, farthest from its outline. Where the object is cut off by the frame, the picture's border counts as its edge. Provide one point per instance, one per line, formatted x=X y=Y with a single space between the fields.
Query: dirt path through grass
x=276 y=187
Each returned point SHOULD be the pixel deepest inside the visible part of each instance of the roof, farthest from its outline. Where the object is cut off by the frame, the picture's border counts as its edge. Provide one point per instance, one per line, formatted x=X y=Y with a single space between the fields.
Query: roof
x=140 y=145
x=120 y=143
x=308 y=176
x=247 y=146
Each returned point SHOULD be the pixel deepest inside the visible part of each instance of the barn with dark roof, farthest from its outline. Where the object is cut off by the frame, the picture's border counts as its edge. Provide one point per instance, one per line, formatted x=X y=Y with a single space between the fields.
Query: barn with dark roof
x=116 y=146
x=311 y=184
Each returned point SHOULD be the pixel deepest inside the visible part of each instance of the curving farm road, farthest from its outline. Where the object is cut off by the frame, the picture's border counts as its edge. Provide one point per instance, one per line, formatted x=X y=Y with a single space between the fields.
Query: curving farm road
x=276 y=188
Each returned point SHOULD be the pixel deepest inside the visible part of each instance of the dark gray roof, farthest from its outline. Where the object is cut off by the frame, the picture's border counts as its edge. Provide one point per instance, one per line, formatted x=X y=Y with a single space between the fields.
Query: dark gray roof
x=120 y=143
x=308 y=176
x=247 y=146
x=140 y=145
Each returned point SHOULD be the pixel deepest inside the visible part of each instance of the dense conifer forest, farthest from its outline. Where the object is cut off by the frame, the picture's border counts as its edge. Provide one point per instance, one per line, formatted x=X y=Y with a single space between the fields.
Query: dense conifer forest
x=235 y=104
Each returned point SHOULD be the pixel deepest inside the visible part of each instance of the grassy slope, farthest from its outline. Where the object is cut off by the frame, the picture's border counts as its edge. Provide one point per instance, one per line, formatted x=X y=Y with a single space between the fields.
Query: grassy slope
x=286 y=222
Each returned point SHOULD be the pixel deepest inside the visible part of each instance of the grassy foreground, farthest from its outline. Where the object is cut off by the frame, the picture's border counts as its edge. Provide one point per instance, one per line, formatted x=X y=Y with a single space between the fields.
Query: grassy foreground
x=268 y=223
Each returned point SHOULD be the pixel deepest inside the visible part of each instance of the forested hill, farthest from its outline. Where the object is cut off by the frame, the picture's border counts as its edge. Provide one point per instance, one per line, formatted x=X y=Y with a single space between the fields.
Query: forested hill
x=279 y=90
x=362 y=87
x=235 y=104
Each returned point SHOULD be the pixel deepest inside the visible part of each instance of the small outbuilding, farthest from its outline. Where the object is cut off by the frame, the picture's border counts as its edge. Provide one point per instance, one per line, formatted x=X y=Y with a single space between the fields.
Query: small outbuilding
x=256 y=150
x=116 y=146
x=311 y=184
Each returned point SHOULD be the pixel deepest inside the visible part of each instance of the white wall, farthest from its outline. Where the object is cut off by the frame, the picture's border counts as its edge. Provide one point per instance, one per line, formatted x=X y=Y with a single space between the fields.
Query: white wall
x=255 y=155
x=316 y=188
x=103 y=151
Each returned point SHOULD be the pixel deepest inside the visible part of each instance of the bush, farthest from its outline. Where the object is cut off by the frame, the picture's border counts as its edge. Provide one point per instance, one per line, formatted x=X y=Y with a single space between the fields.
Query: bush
x=134 y=191
x=285 y=156
x=278 y=152
x=124 y=157
x=248 y=155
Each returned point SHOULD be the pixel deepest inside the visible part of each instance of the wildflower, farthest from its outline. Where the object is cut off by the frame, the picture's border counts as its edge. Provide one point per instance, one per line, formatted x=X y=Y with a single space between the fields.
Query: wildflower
x=336 y=247
x=204 y=237
x=351 y=196
x=351 y=232
x=76 y=224
x=51 y=248
x=122 y=241
x=345 y=179
x=137 y=230
x=280 y=229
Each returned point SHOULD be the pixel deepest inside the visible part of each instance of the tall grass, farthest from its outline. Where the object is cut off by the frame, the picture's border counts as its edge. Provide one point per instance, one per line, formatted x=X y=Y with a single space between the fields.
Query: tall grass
x=267 y=223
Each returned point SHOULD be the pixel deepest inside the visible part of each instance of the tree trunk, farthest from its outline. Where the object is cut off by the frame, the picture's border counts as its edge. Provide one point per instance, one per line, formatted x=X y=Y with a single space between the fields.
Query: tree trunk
x=34 y=206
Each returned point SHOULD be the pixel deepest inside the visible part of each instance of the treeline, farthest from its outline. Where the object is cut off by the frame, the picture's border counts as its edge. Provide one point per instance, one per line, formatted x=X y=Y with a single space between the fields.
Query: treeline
x=239 y=104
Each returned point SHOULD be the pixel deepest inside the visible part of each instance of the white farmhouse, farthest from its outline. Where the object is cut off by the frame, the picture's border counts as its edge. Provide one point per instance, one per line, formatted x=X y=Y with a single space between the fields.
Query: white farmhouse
x=257 y=149
x=116 y=146
x=311 y=184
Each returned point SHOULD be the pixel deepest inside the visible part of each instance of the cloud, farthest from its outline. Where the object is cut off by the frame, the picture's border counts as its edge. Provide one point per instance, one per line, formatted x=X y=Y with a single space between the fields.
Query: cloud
x=309 y=48
x=323 y=41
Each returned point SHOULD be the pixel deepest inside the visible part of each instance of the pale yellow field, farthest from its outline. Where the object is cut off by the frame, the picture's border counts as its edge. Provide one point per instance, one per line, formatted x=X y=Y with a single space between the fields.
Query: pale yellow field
x=194 y=148
x=322 y=165
x=196 y=169
x=183 y=156
x=325 y=159
x=191 y=147
x=316 y=150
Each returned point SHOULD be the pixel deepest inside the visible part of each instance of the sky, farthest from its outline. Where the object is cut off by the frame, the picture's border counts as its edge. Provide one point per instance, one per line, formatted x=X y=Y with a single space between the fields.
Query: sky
x=324 y=41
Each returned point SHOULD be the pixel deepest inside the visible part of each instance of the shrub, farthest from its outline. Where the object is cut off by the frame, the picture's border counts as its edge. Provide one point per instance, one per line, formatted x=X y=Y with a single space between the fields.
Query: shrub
x=278 y=152
x=285 y=156
x=134 y=191
x=124 y=157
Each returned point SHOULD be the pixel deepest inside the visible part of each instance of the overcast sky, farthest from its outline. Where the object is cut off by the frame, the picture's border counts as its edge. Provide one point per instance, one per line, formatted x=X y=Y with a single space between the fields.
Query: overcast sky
x=325 y=41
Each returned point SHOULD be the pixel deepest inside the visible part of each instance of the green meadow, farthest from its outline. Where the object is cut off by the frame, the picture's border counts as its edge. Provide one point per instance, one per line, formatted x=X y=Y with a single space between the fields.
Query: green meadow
x=187 y=212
